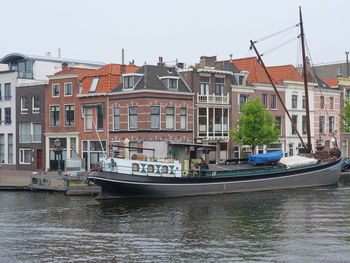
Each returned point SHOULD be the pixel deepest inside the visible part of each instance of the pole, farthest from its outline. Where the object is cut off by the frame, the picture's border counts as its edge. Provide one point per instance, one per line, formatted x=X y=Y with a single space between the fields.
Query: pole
x=347 y=64
x=277 y=93
x=305 y=84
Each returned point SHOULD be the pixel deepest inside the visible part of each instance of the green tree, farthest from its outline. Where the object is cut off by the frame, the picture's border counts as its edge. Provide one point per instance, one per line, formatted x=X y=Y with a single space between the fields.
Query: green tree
x=345 y=124
x=255 y=126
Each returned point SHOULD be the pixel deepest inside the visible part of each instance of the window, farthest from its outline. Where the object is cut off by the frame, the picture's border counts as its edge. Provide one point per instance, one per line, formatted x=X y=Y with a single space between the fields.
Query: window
x=54 y=116
x=68 y=89
x=133 y=118
x=304 y=102
x=273 y=101
x=172 y=83
x=322 y=102
x=243 y=99
x=331 y=124
x=25 y=132
x=219 y=87
x=99 y=116
x=321 y=125
x=183 y=120
x=135 y=167
x=202 y=120
x=24 y=69
x=24 y=156
x=347 y=94
x=279 y=122
x=8 y=119
x=24 y=105
x=295 y=120
x=331 y=102
x=55 y=90
x=94 y=84
x=10 y=148
x=8 y=91
x=0 y=93
x=164 y=169
x=304 y=125
x=339 y=71
x=37 y=132
x=294 y=101
x=116 y=118
x=170 y=118
x=36 y=104
x=88 y=118
x=2 y=148
x=264 y=100
x=0 y=116
x=155 y=117
x=150 y=168
x=69 y=115
x=128 y=82
x=204 y=86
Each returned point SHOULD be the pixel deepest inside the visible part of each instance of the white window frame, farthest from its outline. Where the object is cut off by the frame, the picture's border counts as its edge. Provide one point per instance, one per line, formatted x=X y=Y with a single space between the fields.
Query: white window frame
x=35 y=110
x=94 y=84
x=114 y=117
x=21 y=155
x=172 y=115
x=181 y=115
x=59 y=117
x=24 y=110
x=65 y=116
x=85 y=120
x=56 y=85
x=65 y=89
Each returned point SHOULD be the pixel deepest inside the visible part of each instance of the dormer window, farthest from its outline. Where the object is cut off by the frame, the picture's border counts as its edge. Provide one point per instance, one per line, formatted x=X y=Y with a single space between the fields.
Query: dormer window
x=131 y=80
x=170 y=82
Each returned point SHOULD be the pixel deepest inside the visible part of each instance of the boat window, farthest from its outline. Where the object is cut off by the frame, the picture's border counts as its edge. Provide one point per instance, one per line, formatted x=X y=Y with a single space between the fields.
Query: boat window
x=135 y=167
x=150 y=168
x=164 y=169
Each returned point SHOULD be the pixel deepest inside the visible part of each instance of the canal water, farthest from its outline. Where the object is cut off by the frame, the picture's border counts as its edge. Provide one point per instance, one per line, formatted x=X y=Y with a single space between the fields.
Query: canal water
x=304 y=225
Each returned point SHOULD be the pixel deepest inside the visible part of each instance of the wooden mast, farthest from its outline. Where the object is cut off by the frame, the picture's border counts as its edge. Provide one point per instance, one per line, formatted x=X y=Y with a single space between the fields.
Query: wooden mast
x=309 y=144
x=277 y=93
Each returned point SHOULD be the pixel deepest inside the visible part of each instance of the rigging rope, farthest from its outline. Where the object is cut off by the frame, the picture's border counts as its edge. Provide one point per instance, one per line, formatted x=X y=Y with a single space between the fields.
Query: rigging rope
x=274 y=34
x=277 y=47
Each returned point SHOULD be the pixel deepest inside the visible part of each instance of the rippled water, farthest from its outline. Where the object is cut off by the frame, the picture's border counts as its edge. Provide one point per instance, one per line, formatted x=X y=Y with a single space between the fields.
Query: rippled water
x=305 y=225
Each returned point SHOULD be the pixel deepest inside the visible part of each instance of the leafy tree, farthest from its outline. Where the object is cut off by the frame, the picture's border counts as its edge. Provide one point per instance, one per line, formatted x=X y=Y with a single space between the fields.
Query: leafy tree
x=345 y=124
x=255 y=126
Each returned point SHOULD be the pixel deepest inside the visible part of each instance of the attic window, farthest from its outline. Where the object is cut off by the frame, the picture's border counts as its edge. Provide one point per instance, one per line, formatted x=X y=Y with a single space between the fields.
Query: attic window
x=130 y=81
x=94 y=84
x=170 y=82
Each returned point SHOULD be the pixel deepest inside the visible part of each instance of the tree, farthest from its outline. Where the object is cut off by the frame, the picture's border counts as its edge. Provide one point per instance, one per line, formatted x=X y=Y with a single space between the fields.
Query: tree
x=255 y=126
x=345 y=124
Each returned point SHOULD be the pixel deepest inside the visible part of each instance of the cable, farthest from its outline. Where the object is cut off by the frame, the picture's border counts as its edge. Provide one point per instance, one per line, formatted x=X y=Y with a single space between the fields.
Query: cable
x=274 y=34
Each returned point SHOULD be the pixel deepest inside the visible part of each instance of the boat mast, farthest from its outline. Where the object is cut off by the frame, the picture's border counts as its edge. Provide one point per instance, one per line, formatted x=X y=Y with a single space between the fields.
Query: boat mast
x=308 y=148
x=277 y=93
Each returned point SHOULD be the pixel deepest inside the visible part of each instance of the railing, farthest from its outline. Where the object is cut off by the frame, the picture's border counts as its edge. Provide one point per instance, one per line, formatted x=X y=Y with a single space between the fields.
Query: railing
x=213 y=99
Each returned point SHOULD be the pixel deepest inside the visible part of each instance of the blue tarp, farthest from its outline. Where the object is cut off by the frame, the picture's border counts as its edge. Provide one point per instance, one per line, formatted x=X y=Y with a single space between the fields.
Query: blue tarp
x=265 y=157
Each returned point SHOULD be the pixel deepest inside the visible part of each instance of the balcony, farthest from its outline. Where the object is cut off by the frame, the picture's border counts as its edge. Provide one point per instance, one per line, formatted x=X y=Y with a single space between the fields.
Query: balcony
x=213 y=99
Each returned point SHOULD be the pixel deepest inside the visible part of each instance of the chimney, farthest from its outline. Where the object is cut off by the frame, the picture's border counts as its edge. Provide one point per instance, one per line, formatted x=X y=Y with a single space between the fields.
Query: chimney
x=160 y=63
x=207 y=61
x=65 y=66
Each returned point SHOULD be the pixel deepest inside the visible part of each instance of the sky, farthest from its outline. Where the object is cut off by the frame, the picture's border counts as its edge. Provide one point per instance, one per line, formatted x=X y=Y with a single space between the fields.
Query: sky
x=183 y=30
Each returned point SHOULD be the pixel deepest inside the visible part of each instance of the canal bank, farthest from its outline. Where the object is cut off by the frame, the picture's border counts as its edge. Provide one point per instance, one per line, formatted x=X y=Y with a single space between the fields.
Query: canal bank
x=17 y=180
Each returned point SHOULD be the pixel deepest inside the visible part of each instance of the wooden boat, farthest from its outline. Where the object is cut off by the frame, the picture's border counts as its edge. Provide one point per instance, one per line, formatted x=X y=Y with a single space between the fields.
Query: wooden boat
x=122 y=178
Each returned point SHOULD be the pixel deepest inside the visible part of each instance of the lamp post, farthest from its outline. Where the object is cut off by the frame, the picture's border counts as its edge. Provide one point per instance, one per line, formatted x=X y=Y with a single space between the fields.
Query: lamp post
x=58 y=152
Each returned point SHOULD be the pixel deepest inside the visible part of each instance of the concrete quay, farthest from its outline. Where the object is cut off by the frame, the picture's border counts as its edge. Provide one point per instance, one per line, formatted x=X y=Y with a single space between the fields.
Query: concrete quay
x=17 y=180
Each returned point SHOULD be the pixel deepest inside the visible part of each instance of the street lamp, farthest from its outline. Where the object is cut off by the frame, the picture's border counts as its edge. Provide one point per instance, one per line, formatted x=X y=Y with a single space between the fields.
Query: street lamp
x=58 y=152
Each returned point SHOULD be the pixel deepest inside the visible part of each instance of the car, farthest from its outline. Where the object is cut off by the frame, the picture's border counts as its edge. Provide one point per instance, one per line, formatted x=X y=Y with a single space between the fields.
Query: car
x=345 y=164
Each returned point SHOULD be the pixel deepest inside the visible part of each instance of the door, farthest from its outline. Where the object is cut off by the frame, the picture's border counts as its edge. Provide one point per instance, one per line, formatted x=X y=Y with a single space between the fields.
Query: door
x=39 y=162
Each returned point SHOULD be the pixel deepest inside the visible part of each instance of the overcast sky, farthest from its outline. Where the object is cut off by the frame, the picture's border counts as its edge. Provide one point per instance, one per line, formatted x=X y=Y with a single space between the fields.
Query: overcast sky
x=97 y=30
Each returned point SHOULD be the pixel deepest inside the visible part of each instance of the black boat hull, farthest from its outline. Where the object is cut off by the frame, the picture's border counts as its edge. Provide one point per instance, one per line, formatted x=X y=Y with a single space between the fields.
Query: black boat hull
x=116 y=185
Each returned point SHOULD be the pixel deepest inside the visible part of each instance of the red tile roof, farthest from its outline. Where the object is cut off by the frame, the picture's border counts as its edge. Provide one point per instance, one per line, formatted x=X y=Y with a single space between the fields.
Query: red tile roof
x=286 y=72
x=257 y=73
x=109 y=77
x=333 y=82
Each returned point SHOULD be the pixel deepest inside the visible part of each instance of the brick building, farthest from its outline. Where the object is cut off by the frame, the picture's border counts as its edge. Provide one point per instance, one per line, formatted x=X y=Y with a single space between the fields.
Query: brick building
x=152 y=104
x=30 y=127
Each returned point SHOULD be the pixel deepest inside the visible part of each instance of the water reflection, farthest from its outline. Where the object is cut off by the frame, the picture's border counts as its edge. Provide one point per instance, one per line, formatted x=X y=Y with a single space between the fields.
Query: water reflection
x=305 y=225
